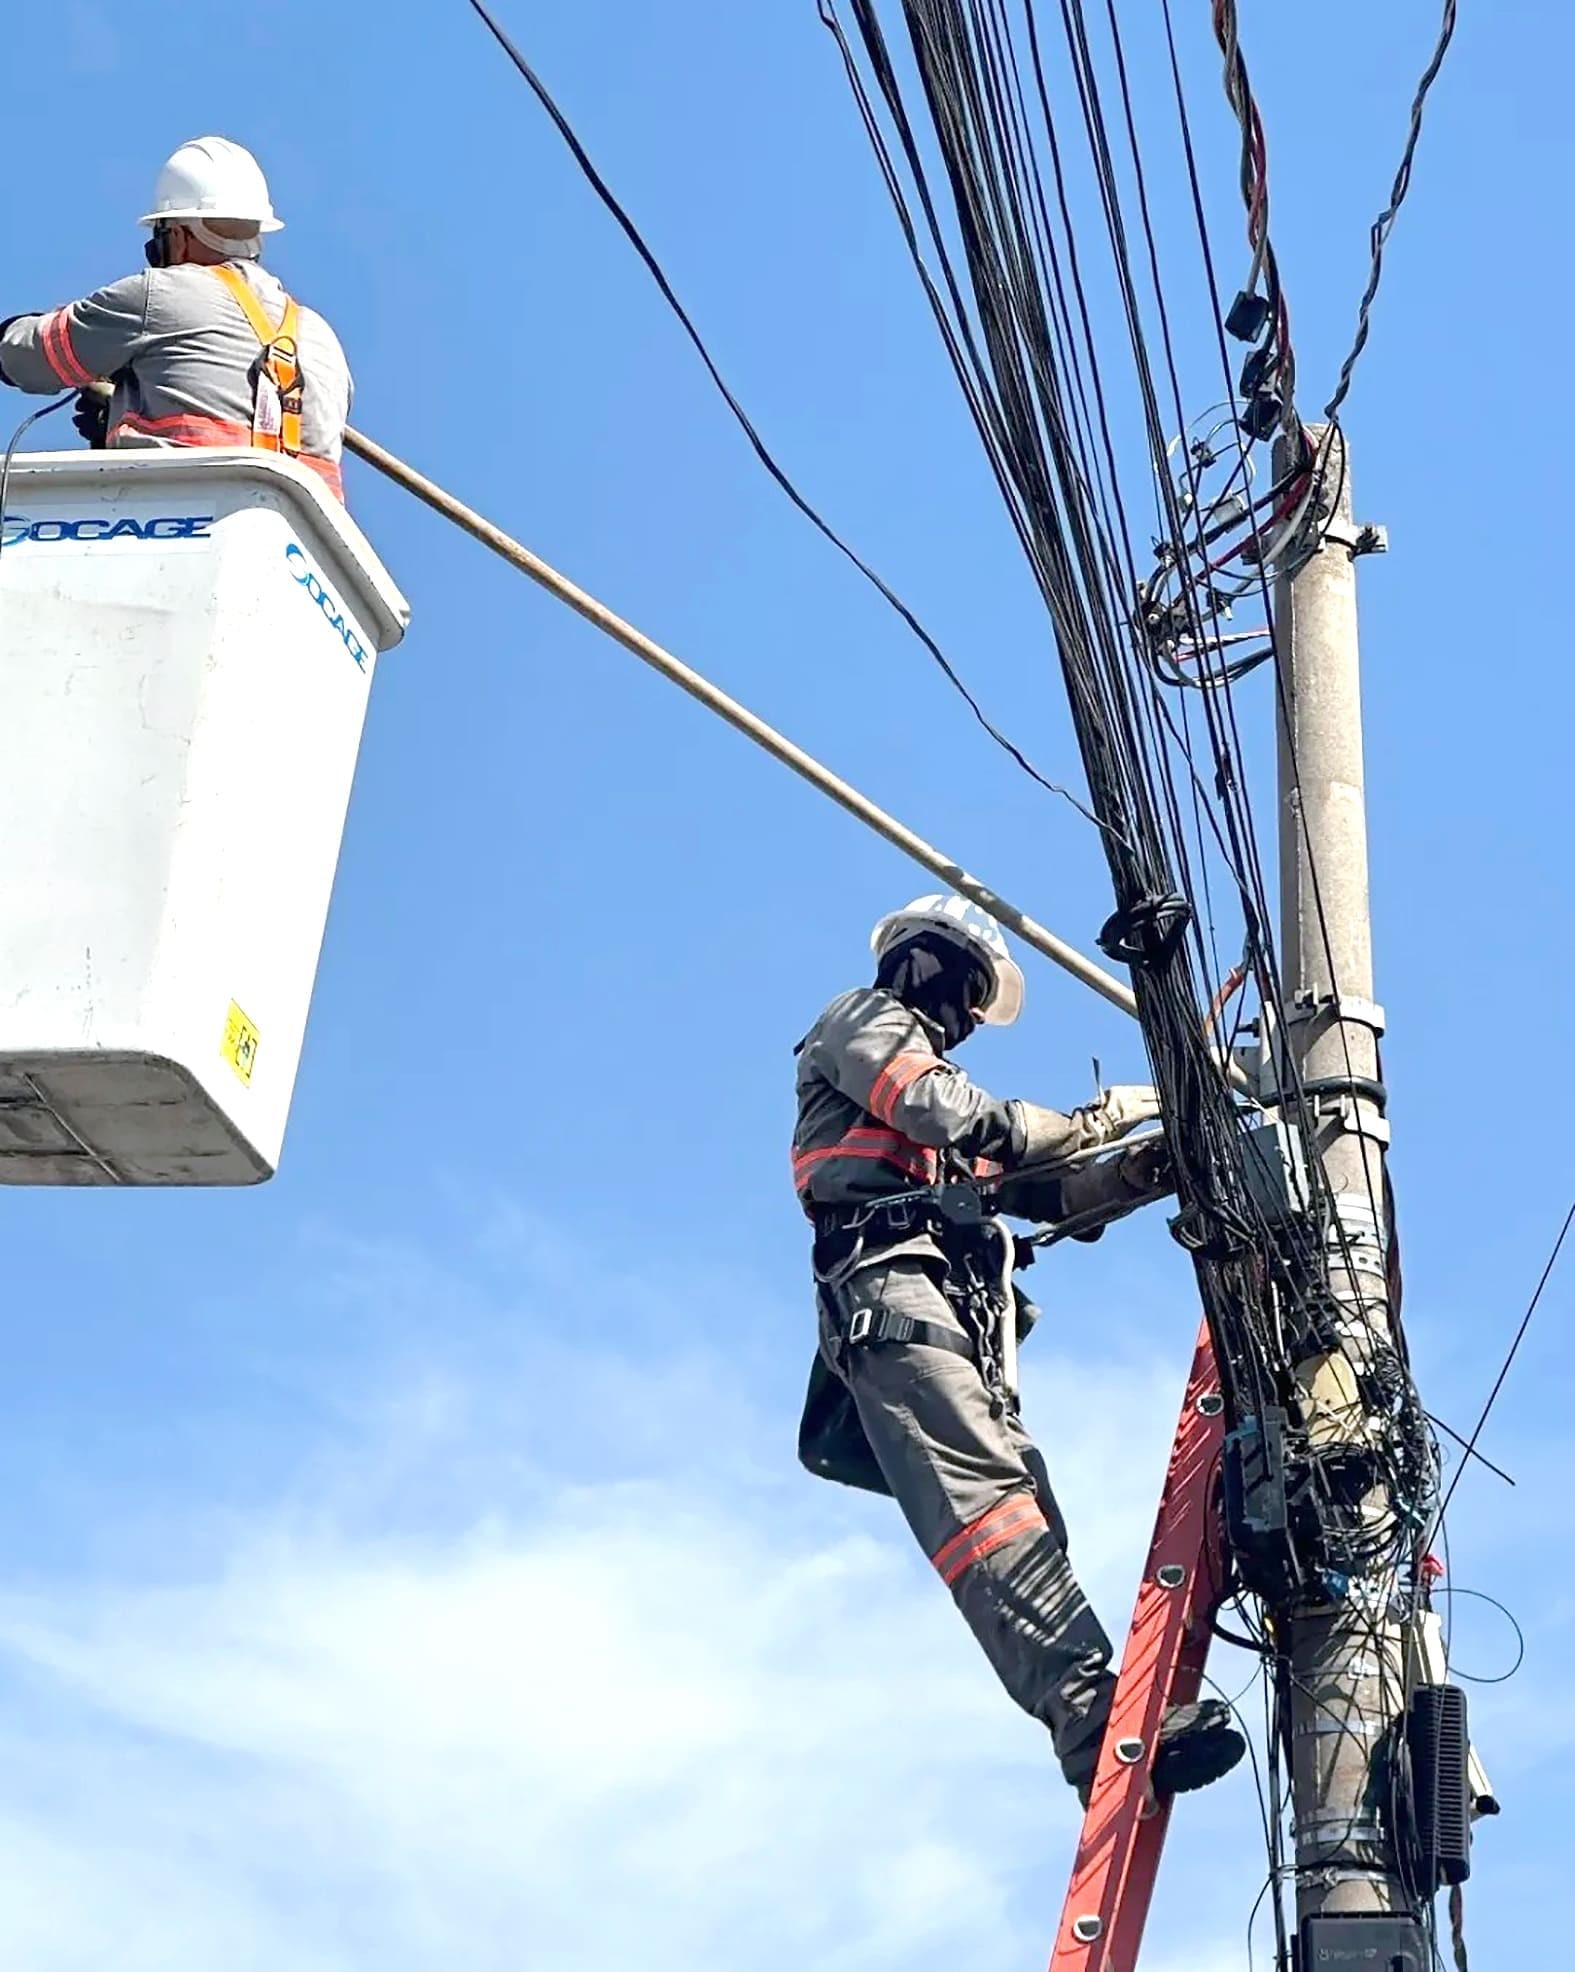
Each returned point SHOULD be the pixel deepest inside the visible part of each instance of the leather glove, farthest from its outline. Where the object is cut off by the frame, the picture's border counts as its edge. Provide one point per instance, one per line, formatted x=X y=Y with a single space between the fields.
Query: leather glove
x=1121 y=1109
x=1107 y=1188
x=91 y=418
x=1149 y=1167
x=1044 y=1136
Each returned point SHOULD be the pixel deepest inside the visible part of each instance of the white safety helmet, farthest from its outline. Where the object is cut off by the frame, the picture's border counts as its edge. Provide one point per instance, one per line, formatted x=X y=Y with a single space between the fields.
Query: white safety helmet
x=972 y=928
x=211 y=178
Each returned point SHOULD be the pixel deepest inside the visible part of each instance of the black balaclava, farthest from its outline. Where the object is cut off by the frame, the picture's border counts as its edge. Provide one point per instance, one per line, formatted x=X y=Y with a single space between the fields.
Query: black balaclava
x=939 y=978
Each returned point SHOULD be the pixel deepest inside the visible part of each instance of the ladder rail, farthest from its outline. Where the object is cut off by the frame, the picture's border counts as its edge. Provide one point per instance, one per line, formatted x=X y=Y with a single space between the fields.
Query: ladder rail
x=1123 y=1835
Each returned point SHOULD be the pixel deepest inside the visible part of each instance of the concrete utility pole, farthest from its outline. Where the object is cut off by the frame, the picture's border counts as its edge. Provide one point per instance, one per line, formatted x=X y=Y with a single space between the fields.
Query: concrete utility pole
x=1346 y=1651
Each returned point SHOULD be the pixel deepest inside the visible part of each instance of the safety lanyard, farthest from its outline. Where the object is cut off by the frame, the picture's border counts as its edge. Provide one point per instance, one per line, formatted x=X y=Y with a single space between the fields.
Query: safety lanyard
x=276 y=409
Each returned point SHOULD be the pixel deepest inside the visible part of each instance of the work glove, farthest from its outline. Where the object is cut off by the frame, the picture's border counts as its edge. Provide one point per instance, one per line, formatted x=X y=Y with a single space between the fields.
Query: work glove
x=91 y=418
x=1148 y=1167
x=1121 y=1109
x=1044 y=1136
x=1107 y=1187
x=1110 y=1185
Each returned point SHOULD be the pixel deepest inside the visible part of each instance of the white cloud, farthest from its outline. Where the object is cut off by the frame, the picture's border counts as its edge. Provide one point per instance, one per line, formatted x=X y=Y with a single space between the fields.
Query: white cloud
x=548 y=1658
x=632 y=1726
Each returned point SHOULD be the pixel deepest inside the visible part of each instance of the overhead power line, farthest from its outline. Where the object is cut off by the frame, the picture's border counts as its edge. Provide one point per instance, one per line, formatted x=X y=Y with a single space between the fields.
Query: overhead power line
x=746 y=424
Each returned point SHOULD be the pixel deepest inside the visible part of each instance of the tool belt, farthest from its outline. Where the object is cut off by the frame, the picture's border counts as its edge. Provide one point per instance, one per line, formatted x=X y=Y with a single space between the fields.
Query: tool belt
x=942 y=1210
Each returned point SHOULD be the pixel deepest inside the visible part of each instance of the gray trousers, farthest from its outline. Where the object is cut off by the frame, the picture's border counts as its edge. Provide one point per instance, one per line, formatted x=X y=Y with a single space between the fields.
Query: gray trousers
x=977 y=1495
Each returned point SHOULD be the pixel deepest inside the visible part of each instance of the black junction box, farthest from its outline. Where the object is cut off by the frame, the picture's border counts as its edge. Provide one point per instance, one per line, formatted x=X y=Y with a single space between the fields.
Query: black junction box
x=1370 y=1942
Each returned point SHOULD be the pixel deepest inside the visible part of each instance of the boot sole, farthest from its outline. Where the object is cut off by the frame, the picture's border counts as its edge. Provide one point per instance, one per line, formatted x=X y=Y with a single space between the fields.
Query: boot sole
x=1183 y=1769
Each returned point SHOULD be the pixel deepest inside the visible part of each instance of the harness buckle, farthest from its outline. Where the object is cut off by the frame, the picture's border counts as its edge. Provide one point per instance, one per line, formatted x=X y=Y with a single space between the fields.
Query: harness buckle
x=863 y=1321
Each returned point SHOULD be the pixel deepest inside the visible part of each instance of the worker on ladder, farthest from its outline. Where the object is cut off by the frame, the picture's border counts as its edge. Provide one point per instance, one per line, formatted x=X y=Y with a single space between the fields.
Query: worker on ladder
x=205 y=347
x=905 y=1167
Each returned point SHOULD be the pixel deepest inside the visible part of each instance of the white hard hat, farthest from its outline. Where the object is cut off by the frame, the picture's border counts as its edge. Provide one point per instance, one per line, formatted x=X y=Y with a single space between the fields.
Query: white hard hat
x=211 y=178
x=972 y=928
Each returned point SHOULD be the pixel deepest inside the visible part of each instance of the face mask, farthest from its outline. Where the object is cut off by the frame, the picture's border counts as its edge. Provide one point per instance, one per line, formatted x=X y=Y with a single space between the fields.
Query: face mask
x=938 y=978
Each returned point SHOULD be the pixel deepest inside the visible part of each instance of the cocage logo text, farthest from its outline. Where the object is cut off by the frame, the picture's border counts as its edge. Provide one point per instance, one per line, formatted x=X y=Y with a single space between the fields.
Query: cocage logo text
x=307 y=578
x=18 y=528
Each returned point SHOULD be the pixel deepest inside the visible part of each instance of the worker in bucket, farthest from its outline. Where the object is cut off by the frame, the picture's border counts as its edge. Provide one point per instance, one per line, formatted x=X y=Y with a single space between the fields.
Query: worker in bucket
x=905 y=1166
x=204 y=347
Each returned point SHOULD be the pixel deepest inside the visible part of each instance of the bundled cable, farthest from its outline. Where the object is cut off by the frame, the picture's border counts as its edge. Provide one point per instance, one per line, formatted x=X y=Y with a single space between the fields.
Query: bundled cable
x=1002 y=156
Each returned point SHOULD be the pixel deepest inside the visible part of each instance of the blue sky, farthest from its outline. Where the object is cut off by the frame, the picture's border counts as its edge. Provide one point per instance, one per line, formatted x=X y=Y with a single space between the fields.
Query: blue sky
x=404 y=1563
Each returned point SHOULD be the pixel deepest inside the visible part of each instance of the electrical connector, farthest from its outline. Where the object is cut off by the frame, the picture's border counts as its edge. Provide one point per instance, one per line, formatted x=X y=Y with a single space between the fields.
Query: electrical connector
x=1248 y=314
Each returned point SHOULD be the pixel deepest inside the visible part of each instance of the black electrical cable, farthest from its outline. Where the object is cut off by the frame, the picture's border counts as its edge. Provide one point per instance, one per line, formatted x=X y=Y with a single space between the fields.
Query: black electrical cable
x=1480 y=1595
x=778 y=473
x=1509 y=1360
x=1006 y=355
x=1010 y=297
x=1383 y=225
x=1449 y=1431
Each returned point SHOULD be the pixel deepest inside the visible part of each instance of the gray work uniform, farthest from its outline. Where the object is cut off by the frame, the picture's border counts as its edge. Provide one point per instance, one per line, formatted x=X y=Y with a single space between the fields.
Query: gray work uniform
x=182 y=357
x=880 y=1111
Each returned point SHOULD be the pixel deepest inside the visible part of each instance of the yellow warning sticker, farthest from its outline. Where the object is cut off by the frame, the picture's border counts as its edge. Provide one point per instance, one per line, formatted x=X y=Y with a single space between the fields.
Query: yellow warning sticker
x=240 y=1043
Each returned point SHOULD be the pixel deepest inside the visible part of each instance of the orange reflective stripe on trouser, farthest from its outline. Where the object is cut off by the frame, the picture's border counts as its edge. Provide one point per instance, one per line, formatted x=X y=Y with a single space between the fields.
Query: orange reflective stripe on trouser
x=1013 y=1517
x=276 y=420
x=896 y=1076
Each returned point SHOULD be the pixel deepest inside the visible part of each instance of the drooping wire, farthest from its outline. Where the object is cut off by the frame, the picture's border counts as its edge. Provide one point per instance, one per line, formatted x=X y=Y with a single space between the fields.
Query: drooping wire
x=1481 y=1595
x=1383 y=225
x=746 y=424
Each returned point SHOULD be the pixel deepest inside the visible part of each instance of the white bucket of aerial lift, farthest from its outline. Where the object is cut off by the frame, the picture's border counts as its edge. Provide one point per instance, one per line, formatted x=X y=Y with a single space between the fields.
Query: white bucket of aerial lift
x=187 y=640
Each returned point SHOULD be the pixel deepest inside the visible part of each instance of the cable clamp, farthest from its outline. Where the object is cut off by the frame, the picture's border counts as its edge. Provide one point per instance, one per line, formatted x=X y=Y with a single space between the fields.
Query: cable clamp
x=1355 y=1117
x=1337 y=1006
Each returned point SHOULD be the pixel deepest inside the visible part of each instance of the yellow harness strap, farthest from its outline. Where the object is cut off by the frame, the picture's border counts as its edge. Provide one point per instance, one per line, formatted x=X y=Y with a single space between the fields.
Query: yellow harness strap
x=276 y=412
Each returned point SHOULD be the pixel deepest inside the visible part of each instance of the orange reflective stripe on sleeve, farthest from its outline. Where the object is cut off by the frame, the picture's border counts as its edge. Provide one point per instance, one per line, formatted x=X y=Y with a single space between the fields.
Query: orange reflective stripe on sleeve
x=54 y=342
x=901 y=1071
x=1009 y=1521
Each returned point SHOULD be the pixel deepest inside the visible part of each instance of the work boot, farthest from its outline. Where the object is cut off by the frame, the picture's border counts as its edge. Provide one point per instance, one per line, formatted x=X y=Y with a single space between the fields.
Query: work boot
x=1197 y=1746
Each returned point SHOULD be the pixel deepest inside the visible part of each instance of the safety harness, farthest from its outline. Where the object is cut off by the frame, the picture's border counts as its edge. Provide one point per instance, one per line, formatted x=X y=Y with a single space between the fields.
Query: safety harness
x=979 y=1253
x=278 y=386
